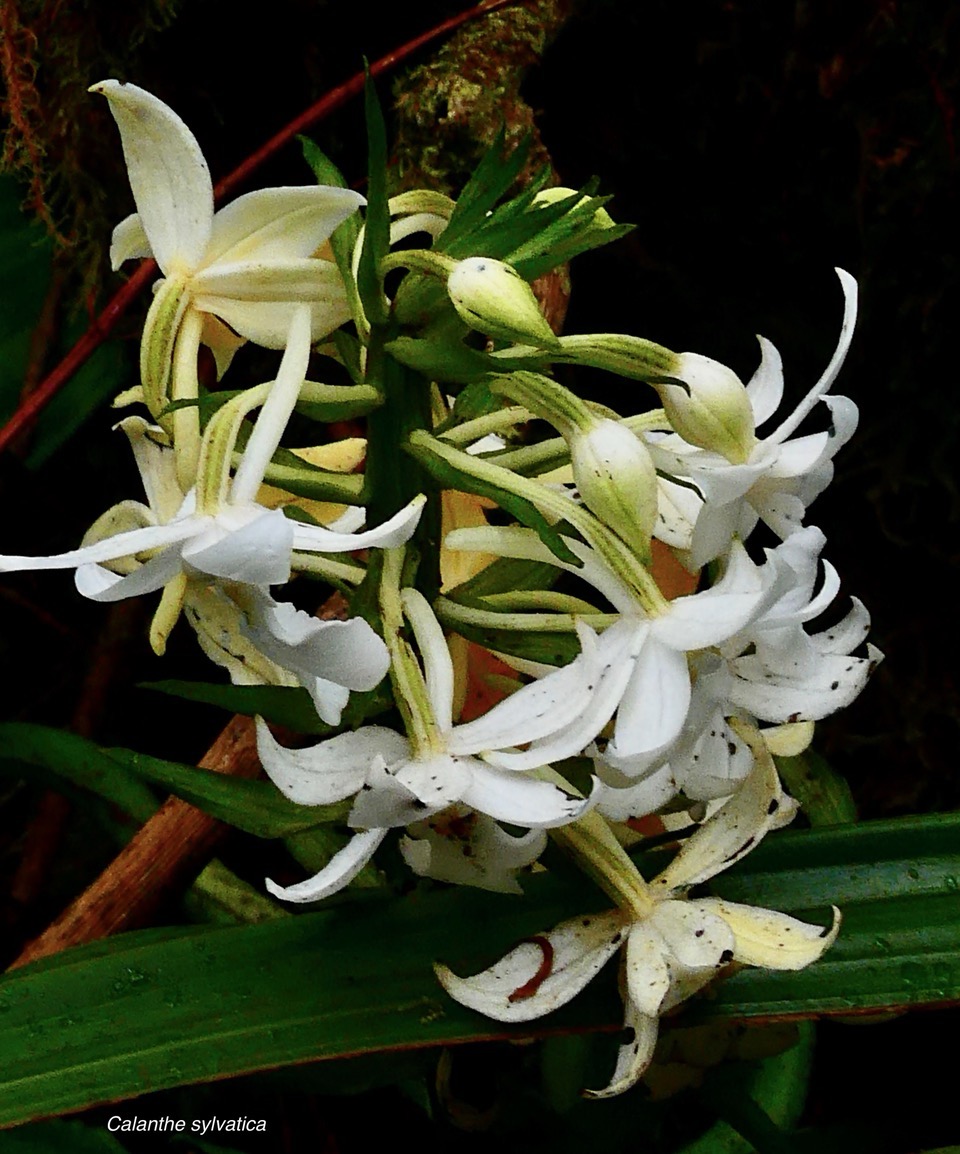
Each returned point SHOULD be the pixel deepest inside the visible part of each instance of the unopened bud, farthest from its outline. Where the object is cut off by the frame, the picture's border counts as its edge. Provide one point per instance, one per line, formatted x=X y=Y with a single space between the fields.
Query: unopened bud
x=707 y=404
x=601 y=219
x=617 y=480
x=493 y=298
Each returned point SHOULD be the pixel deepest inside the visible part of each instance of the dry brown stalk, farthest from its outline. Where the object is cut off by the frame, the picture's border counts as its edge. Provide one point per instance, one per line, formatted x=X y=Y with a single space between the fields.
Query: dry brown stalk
x=167 y=852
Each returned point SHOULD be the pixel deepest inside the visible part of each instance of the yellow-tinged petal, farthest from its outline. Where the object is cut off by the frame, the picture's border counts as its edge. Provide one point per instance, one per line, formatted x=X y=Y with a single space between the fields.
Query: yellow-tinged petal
x=461 y=511
x=771 y=939
x=789 y=739
x=736 y=827
x=344 y=456
x=168 y=175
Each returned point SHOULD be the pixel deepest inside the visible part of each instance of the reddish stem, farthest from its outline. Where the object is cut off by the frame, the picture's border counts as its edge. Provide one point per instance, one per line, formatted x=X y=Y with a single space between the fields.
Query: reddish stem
x=103 y=325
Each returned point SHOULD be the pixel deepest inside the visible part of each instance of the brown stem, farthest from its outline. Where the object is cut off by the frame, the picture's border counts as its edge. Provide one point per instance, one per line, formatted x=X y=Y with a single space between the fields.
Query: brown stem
x=169 y=849
x=102 y=326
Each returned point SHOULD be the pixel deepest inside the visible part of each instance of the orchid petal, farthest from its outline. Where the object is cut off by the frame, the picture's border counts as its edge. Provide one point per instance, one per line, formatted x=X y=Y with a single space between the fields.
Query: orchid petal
x=847 y=634
x=387 y=802
x=765 y=387
x=110 y=549
x=265 y=281
x=342 y=868
x=617 y=653
x=520 y=800
x=646 y=973
x=653 y=708
x=471 y=849
x=331 y=770
x=536 y=710
x=99 y=584
x=129 y=241
x=634 y=1056
x=849 y=287
x=267 y=323
x=833 y=685
x=257 y=553
x=168 y=175
x=511 y=990
x=349 y=652
x=437 y=666
x=703 y=619
x=395 y=531
x=637 y=800
x=771 y=939
x=696 y=937
x=279 y=223
x=732 y=831
x=276 y=410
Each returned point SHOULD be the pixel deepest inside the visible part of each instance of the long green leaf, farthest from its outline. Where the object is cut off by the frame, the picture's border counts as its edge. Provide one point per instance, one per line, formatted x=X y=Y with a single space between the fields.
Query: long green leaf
x=120 y=1019
x=254 y=806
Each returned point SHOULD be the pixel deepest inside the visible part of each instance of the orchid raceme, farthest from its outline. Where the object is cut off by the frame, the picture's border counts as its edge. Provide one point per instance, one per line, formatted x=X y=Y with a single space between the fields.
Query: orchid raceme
x=640 y=654
x=672 y=945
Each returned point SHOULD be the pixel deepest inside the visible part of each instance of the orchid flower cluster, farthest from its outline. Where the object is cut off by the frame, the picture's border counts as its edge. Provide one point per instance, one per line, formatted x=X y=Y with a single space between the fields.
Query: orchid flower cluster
x=540 y=554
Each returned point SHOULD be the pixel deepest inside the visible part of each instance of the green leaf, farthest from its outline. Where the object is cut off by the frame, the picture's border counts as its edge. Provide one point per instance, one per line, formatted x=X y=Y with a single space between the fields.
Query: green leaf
x=451 y=361
x=376 y=237
x=491 y=180
x=289 y=707
x=140 y=1013
x=824 y=795
x=78 y=761
x=256 y=807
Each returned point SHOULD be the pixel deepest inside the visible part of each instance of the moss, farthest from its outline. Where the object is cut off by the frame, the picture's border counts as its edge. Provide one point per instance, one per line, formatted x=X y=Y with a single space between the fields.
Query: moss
x=450 y=109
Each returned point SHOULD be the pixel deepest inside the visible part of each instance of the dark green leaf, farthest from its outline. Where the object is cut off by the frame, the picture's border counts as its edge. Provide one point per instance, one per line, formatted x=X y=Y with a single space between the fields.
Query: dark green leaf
x=823 y=793
x=138 y=1014
x=454 y=362
x=291 y=708
x=376 y=237
x=78 y=761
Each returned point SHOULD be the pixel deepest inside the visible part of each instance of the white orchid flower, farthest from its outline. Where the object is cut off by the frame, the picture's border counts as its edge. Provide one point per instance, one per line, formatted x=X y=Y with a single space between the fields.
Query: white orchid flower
x=243 y=270
x=672 y=945
x=644 y=676
x=401 y=781
x=222 y=532
x=780 y=477
x=250 y=264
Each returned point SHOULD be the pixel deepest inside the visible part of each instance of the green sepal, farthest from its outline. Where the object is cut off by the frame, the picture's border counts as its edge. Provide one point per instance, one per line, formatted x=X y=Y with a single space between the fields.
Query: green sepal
x=440 y=461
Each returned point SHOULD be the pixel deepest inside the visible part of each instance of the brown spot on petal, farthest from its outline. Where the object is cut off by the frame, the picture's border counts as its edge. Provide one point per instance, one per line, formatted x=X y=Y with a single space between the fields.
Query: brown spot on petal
x=529 y=988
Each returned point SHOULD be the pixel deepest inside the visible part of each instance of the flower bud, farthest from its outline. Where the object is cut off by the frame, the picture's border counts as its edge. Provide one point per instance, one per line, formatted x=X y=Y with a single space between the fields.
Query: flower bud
x=617 y=480
x=493 y=298
x=601 y=219
x=707 y=404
